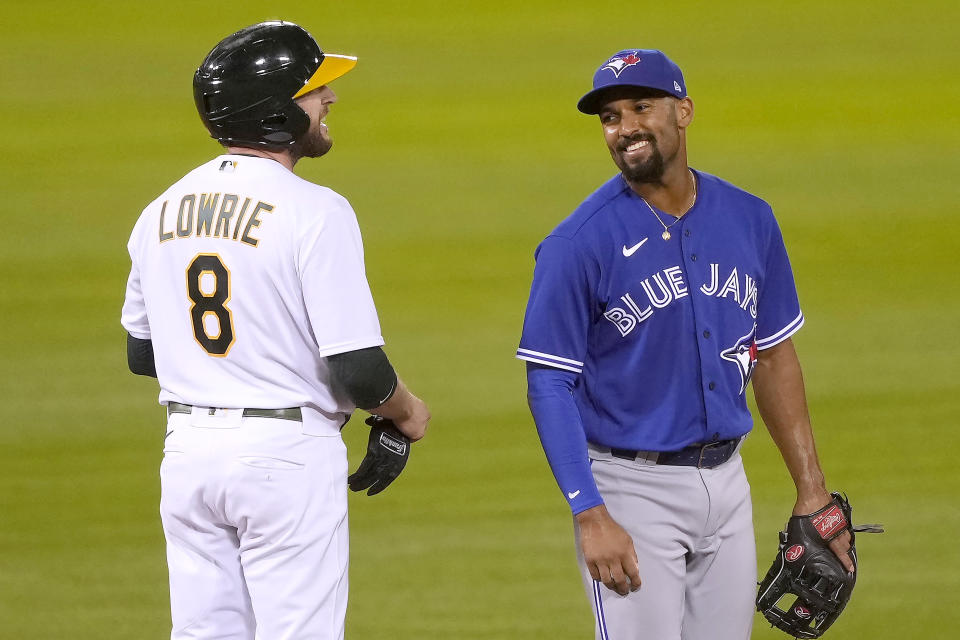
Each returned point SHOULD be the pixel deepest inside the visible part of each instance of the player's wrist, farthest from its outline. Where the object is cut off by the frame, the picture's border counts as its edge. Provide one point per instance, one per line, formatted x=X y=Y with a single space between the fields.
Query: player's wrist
x=408 y=412
x=399 y=406
x=811 y=499
x=593 y=514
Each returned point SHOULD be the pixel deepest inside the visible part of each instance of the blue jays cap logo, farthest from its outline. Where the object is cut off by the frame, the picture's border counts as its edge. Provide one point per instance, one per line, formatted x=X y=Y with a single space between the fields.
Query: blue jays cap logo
x=617 y=65
x=744 y=355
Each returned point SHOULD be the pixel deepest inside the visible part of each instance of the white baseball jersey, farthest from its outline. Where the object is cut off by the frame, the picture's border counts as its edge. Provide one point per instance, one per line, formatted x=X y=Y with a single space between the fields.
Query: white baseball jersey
x=245 y=277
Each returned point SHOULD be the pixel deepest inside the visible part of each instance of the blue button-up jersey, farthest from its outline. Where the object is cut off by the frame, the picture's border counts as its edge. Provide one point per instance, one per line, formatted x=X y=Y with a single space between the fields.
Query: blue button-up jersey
x=664 y=333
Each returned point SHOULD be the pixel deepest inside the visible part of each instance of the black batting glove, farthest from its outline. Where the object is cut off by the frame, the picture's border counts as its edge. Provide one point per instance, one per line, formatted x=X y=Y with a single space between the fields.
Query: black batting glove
x=387 y=453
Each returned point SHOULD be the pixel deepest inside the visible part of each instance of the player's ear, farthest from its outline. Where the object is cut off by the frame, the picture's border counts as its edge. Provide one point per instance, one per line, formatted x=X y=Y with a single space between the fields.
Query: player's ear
x=684 y=111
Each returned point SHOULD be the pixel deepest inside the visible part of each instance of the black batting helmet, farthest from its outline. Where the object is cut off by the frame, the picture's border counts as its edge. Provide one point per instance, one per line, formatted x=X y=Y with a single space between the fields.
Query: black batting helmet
x=246 y=87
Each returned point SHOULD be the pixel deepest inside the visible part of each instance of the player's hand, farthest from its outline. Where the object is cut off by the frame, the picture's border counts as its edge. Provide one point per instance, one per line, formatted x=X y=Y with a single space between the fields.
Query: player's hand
x=413 y=423
x=840 y=545
x=841 y=548
x=608 y=551
x=387 y=454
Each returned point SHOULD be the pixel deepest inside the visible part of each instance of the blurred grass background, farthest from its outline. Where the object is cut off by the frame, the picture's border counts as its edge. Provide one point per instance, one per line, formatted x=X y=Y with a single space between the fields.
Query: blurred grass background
x=458 y=143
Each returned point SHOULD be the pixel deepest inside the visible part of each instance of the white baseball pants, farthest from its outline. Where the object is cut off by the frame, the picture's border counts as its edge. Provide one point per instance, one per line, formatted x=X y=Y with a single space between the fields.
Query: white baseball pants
x=693 y=533
x=255 y=516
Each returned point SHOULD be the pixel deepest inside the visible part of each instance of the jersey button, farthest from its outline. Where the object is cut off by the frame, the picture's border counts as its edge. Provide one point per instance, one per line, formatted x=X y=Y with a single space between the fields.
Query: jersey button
x=686 y=232
x=712 y=386
x=706 y=334
x=693 y=257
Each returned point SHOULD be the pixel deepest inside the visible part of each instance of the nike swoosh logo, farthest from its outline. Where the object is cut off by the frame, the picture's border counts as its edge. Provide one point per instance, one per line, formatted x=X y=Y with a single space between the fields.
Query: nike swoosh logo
x=574 y=494
x=632 y=250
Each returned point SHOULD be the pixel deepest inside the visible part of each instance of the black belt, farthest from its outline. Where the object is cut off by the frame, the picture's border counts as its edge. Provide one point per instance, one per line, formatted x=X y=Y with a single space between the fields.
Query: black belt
x=702 y=456
x=292 y=413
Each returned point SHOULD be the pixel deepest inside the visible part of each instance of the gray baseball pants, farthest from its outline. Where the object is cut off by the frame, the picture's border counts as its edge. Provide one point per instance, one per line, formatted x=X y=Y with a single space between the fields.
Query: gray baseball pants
x=693 y=532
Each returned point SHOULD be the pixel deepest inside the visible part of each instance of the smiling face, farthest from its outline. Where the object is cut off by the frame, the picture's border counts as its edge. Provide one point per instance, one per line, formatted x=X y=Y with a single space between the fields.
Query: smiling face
x=316 y=141
x=645 y=131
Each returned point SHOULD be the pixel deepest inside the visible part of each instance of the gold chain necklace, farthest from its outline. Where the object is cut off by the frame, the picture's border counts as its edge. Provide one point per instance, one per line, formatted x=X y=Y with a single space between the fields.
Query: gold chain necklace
x=666 y=227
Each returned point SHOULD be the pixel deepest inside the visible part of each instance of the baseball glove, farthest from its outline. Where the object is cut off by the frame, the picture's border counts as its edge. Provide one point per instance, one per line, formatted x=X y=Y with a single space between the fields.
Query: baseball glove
x=807 y=570
x=387 y=453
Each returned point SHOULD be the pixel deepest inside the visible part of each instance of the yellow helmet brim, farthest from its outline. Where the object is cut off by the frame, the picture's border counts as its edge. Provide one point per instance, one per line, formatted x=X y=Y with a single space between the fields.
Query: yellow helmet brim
x=332 y=67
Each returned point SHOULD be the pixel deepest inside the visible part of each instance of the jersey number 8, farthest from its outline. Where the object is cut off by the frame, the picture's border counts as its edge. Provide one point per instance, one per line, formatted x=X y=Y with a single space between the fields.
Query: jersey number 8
x=208 y=285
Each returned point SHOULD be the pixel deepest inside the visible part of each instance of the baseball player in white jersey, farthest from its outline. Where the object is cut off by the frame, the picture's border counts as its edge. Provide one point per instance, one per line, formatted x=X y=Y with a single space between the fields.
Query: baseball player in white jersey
x=653 y=306
x=248 y=300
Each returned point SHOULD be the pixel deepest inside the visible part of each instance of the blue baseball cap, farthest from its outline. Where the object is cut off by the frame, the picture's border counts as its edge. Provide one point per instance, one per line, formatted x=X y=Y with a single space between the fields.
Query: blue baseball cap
x=646 y=68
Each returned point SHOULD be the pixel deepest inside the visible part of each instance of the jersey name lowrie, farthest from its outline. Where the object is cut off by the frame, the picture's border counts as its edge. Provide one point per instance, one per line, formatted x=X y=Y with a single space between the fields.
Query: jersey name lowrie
x=211 y=216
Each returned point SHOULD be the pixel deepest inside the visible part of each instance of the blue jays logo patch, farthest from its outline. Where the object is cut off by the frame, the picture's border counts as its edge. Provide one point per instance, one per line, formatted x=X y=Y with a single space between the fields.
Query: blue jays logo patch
x=617 y=65
x=744 y=355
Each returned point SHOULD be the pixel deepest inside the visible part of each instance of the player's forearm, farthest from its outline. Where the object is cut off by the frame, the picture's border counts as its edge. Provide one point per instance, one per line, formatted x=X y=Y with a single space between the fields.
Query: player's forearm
x=368 y=379
x=407 y=411
x=778 y=387
x=561 y=435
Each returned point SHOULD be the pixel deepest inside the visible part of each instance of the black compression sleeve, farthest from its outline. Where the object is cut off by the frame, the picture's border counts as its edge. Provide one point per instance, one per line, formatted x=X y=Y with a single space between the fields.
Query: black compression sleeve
x=365 y=375
x=140 y=357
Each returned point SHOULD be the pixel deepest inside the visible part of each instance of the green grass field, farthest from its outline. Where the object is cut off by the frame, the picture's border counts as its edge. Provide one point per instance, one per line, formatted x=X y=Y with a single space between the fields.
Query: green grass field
x=458 y=143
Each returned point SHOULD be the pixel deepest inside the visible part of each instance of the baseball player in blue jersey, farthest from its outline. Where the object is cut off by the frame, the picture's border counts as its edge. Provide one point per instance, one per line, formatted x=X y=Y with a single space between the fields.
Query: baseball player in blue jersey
x=652 y=307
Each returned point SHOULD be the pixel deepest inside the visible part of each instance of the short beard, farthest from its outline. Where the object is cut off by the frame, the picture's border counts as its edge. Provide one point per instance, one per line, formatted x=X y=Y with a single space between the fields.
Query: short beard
x=311 y=145
x=650 y=170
